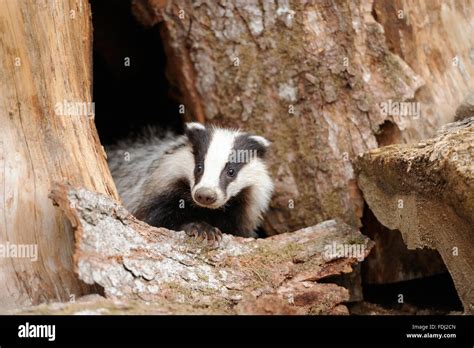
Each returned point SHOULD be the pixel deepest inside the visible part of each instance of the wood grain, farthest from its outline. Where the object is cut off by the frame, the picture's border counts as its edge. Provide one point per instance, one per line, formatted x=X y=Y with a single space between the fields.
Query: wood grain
x=45 y=59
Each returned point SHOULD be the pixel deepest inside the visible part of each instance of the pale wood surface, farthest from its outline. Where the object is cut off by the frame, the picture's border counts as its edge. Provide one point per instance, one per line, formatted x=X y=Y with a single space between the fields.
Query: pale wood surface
x=45 y=59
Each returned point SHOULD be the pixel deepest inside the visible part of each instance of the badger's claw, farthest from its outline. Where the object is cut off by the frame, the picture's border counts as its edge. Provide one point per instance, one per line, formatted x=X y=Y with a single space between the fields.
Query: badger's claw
x=203 y=232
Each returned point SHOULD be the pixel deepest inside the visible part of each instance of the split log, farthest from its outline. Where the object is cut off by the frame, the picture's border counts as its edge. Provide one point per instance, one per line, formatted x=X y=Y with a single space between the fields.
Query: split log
x=311 y=76
x=279 y=275
x=426 y=191
x=47 y=133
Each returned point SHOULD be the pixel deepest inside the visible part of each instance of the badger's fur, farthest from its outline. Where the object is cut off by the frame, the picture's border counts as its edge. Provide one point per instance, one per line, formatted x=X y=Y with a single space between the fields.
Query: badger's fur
x=208 y=178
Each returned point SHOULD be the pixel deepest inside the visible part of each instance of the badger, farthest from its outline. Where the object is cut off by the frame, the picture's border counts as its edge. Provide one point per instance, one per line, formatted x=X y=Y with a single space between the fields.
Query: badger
x=209 y=181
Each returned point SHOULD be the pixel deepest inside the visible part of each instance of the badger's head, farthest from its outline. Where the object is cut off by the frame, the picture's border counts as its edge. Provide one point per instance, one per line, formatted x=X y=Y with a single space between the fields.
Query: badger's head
x=226 y=162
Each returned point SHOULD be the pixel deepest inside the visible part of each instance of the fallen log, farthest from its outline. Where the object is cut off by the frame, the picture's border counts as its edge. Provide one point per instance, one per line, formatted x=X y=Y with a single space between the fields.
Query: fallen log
x=426 y=191
x=279 y=275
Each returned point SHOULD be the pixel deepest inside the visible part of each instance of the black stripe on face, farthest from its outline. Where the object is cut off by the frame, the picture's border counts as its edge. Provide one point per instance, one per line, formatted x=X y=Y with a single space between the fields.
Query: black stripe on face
x=200 y=140
x=244 y=150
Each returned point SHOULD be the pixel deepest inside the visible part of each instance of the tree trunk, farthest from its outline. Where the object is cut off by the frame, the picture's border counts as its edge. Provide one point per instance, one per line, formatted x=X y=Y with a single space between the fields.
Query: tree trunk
x=435 y=38
x=311 y=76
x=45 y=67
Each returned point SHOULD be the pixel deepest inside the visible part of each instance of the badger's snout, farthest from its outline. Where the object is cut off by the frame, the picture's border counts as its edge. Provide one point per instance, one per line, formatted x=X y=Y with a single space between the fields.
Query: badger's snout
x=205 y=196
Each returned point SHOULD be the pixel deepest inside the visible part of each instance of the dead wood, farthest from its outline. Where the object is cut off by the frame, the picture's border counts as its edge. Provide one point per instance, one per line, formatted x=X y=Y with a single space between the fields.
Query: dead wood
x=426 y=191
x=278 y=275
x=47 y=133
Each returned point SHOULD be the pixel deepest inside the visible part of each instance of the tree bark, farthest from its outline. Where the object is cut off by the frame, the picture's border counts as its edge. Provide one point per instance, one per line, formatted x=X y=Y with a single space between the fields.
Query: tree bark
x=45 y=63
x=283 y=274
x=311 y=76
x=426 y=191
x=435 y=38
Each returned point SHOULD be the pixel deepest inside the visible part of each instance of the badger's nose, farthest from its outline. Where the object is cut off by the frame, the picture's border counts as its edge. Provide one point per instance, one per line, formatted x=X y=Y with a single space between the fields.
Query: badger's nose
x=205 y=196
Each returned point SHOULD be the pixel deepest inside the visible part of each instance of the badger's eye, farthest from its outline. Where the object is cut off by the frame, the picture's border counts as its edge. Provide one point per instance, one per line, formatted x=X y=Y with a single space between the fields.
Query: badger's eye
x=199 y=168
x=230 y=172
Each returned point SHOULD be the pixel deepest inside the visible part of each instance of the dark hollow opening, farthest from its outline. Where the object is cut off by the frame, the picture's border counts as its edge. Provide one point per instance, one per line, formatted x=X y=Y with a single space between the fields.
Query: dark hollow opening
x=130 y=89
x=436 y=294
x=388 y=134
x=129 y=97
x=391 y=269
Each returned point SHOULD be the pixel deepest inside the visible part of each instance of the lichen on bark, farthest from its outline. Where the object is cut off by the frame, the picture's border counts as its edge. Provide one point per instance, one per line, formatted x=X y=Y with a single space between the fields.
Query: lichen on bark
x=133 y=261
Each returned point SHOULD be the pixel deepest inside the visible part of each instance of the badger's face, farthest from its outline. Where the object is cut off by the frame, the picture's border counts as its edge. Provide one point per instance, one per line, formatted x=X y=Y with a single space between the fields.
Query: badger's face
x=225 y=162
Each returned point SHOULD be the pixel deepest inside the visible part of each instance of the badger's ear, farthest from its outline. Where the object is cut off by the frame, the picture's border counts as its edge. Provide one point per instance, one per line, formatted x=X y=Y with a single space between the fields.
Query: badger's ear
x=193 y=130
x=260 y=144
x=196 y=133
x=261 y=140
x=193 y=126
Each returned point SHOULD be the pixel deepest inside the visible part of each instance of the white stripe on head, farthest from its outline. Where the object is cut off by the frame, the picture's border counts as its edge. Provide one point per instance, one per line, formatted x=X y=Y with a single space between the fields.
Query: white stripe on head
x=218 y=152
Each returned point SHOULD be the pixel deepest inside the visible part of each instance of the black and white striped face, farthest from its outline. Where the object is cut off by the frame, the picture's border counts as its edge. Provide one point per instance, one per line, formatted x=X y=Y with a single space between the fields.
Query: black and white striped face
x=225 y=162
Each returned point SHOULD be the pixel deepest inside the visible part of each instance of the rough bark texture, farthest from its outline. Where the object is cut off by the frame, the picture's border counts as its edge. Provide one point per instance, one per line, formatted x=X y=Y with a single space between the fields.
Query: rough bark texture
x=45 y=59
x=426 y=191
x=277 y=275
x=436 y=39
x=310 y=75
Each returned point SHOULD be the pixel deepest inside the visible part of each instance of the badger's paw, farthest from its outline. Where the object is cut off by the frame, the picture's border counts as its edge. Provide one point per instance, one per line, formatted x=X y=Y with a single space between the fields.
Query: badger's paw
x=203 y=232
